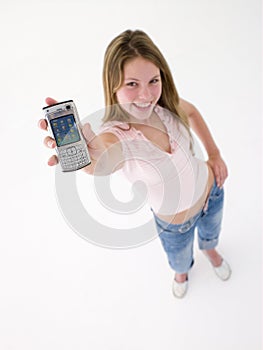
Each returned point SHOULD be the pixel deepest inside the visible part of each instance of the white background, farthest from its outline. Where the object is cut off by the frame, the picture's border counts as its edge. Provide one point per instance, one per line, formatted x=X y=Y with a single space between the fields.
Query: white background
x=58 y=291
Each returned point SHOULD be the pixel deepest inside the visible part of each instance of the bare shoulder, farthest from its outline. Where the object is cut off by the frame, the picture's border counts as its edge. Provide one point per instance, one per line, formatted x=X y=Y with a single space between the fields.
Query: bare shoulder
x=186 y=106
x=110 y=139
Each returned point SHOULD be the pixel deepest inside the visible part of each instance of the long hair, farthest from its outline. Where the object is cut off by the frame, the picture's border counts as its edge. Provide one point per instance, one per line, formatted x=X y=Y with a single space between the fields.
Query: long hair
x=128 y=45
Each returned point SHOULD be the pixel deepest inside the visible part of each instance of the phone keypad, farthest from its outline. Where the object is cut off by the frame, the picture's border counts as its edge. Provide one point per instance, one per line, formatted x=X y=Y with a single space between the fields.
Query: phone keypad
x=73 y=158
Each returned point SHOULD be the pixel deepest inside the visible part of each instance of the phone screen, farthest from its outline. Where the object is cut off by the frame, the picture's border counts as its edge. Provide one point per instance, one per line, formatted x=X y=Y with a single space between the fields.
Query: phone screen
x=65 y=130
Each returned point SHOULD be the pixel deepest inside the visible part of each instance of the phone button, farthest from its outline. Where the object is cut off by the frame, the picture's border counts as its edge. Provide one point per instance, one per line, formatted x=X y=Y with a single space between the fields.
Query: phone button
x=71 y=151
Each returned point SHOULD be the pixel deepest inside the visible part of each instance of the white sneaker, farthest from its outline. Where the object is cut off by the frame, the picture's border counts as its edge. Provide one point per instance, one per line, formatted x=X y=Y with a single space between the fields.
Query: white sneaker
x=223 y=271
x=180 y=288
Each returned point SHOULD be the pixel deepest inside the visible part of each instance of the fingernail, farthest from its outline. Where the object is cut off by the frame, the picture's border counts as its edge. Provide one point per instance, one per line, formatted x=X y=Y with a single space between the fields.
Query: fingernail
x=50 y=143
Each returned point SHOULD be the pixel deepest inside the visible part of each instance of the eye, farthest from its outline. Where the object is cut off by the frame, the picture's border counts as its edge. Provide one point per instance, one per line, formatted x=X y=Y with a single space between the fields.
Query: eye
x=131 y=83
x=154 y=81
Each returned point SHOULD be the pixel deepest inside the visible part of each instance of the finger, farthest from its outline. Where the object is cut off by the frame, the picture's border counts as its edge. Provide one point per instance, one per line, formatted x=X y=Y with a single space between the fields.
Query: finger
x=88 y=133
x=50 y=101
x=42 y=124
x=217 y=176
x=49 y=142
x=218 y=181
x=53 y=160
x=222 y=179
x=223 y=175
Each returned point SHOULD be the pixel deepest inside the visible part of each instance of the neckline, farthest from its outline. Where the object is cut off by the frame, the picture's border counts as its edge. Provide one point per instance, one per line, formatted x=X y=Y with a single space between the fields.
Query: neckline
x=168 y=133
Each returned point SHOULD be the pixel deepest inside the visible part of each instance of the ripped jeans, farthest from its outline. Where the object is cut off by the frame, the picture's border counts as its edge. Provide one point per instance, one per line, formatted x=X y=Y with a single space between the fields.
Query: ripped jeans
x=177 y=239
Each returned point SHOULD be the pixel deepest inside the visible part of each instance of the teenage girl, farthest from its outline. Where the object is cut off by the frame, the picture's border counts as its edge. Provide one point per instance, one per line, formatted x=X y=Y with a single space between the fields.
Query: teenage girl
x=146 y=133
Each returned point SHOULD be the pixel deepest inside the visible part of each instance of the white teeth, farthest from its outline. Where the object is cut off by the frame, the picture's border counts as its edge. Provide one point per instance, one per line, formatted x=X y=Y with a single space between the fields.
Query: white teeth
x=143 y=105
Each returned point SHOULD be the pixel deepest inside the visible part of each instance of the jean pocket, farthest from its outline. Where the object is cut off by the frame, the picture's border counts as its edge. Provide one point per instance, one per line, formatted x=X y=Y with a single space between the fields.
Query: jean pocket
x=186 y=226
x=216 y=200
x=218 y=192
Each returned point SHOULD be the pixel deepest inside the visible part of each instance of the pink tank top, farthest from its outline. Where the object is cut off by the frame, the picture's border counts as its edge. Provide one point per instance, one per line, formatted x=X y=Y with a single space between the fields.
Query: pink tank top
x=175 y=181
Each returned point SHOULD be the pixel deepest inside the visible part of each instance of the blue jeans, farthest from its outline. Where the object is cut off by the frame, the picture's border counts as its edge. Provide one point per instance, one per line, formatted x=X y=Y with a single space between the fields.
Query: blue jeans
x=177 y=239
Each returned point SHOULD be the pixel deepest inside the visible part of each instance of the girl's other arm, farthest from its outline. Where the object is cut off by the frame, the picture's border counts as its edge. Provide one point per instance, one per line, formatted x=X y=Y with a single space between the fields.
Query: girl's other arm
x=200 y=128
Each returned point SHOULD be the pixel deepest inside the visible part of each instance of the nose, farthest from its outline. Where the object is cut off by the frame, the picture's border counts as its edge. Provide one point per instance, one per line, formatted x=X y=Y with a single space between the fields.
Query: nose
x=144 y=93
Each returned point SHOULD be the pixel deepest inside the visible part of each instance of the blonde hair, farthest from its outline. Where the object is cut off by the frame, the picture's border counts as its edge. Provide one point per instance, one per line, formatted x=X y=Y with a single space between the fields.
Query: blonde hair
x=126 y=46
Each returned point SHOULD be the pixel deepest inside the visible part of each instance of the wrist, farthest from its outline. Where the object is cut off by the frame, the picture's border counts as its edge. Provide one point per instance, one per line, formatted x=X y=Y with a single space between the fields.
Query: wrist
x=213 y=153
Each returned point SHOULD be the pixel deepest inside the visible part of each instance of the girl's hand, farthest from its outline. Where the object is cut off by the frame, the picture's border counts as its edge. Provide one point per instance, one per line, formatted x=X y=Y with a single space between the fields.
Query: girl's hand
x=219 y=168
x=49 y=141
x=95 y=144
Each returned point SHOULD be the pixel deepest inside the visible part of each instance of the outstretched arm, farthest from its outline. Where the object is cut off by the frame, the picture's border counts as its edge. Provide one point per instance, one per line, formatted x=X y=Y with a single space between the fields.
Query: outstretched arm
x=200 y=128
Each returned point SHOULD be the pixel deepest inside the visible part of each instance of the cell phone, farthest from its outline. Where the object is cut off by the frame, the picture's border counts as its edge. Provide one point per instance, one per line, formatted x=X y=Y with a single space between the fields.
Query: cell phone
x=64 y=126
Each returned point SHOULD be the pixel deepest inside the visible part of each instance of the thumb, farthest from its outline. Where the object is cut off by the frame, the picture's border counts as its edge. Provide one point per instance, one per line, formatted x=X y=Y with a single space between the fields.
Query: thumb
x=88 y=133
x=50 y=101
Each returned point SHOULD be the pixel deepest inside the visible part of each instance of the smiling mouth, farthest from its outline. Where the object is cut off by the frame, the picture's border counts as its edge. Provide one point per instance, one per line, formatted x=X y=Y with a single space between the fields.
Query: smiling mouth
x=142 y=105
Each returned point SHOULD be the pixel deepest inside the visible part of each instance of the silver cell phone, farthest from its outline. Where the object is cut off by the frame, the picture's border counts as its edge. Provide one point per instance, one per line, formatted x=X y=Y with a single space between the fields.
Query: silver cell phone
x=64 y=125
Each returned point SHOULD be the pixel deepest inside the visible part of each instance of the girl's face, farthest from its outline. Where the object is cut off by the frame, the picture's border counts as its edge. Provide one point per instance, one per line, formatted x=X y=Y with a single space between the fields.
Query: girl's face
x=141 y=88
